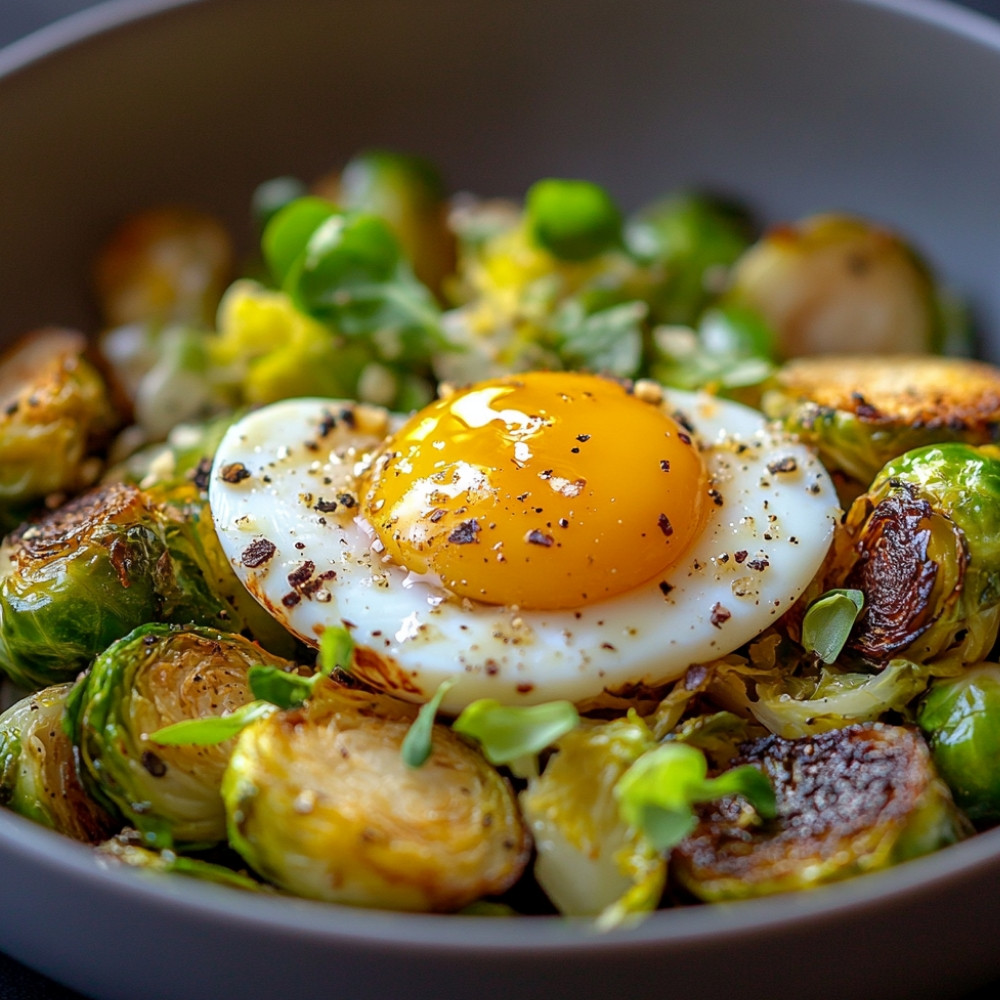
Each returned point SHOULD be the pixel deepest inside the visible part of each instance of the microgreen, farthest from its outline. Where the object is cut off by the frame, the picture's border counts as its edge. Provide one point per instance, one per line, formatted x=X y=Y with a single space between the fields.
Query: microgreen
x=656 y=795
x=828 y=622
x=507 y=733
x=208 y=732
x=416 y=746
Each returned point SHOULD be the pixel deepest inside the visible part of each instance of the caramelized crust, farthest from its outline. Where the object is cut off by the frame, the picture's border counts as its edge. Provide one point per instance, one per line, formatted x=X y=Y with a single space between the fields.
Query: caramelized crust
x=844 y=798
x=954 y=394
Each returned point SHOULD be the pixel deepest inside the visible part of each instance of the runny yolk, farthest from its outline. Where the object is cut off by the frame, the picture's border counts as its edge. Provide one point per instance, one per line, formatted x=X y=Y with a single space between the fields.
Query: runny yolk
x=543 y=490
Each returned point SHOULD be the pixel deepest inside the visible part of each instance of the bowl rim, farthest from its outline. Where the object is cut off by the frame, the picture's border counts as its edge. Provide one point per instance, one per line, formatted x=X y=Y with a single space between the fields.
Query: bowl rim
x=22 y=841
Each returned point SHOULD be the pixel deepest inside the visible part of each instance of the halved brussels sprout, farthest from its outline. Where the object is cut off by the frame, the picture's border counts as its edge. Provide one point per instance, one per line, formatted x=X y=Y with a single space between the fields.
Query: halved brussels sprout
x=94 y=569
x=156 y=676
x=961 y=718
x=849 y=801
x=861 y=412
x=320 y=802
x=38 y=776
x=164 y=265
x=690 y=240
x=925 y=552
x=54 y=411
x=588 y=859
x=836 y=283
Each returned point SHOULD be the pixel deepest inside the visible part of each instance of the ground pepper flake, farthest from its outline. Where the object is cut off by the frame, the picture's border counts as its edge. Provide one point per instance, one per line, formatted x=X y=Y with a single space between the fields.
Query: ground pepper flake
x=663 y=522
x=536 y=537
x=235 y=472
x=786 y=464
x=465 y=533
x=258 y=552
x=720 y=615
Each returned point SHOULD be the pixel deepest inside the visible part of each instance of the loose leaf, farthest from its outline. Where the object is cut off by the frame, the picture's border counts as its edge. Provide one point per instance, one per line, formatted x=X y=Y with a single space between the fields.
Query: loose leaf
x=507 y=733
x=335 y=650
x=657 y=794
x=828 y=622
x=208 y=732
x=416 y=746
x=280 y=687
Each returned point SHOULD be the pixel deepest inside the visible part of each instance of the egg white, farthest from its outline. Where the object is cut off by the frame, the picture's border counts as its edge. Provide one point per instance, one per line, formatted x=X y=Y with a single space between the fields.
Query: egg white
x=276 y=478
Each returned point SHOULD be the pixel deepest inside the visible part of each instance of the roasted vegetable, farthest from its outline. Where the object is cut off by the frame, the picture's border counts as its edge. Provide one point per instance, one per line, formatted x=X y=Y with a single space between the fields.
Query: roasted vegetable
x=93 y=570
x=409 y=193
x=961 y=718
x=925 y=553
x=861 y=411
x=164 y=265
x=38 y=776
x=848 y=801
x=320 y=802
x=54 y=414
x=156 y=676
x=837 y=283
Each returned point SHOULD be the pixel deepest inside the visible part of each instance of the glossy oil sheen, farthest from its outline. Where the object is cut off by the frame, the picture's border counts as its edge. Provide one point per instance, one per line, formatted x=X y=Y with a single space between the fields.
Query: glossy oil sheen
x=890 y=109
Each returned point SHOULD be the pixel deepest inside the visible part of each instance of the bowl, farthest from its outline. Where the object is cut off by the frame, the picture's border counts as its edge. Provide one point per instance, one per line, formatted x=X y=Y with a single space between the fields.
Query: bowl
x=881 y=107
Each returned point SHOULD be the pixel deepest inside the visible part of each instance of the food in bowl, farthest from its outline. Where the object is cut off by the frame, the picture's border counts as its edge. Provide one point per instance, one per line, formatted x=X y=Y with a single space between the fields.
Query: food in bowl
x=479 y=556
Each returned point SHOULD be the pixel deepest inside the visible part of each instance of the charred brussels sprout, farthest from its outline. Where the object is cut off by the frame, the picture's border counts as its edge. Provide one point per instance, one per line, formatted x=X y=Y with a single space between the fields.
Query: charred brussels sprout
x=93 y=570
x=692 y=240
x=54 y=412
x=156 y=676
x=961 y=718
x=321 y=803
x=848 y=801
x=38 y=776
x=836 y=283
x=926 y=555
x=861 y=412
x=164 y=265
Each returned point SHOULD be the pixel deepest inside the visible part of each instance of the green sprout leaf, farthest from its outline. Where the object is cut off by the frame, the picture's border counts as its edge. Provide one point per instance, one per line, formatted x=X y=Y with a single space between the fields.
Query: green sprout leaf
x=656 y=795
x=828 y=622
x=506 y=733
x=335 y=650
x=416 y=746
x=280 y=687
x=288 y=232
x=208 y=732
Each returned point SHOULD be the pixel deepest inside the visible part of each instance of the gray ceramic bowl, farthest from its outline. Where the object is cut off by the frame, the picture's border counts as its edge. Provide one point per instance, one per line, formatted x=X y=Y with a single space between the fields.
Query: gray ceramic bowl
x=891 y=109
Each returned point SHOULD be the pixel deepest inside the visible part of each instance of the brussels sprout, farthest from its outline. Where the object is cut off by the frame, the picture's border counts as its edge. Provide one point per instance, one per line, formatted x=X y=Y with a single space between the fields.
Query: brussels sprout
x=961 y=718
x=849 y=801
x=589 y=860
x=54 y=412
x=156 y=676
x=860 y=412
x=409 y=194
x=320 y=802
x=574 y=220
x=38 y=776
x=925 y=553
x=691 y=240
x=94 y=569
x=836 y=283
x=164 y=265
x=129 y=850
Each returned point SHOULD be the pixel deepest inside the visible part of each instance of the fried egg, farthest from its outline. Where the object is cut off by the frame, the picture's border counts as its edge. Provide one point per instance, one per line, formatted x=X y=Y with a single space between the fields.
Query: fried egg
x=536 y=537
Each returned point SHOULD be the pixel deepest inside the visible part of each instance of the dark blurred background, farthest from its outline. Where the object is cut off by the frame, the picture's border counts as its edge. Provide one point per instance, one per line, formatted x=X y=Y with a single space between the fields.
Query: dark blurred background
x=18 y=18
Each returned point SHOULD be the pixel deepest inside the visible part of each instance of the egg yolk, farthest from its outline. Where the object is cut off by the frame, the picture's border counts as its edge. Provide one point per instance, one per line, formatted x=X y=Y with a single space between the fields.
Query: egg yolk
x=543 y=490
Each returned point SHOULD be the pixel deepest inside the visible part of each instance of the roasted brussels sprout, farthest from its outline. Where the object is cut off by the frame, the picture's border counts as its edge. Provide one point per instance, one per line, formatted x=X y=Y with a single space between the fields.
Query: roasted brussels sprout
x=925 y=553
x=849 y=801
x=54 y=412
x=164 y=265
x=94 y=569
x=156 y=676
x=961 y=718
x=861 y=411
x=38 y=776
x=320 y=802
x=690 y=240
x=409 y=193
x=589 y=860
x=837 y=283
